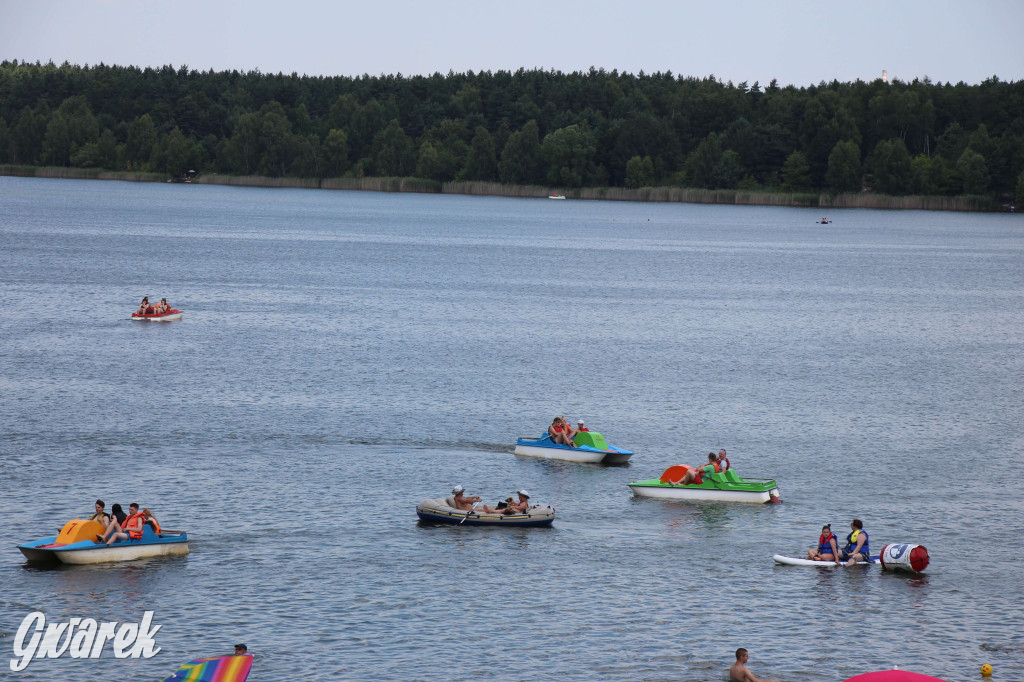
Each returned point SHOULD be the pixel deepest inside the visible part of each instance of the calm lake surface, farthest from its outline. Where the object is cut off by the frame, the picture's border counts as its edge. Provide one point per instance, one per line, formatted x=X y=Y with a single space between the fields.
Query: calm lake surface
x=344 y=355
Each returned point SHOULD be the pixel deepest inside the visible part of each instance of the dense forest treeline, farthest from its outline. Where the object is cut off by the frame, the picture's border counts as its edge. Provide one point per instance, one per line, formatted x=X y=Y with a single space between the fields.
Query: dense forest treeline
x=572 y=130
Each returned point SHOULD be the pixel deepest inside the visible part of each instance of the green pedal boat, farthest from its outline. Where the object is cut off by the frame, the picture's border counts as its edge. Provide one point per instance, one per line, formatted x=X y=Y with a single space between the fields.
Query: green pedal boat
x=718 y=487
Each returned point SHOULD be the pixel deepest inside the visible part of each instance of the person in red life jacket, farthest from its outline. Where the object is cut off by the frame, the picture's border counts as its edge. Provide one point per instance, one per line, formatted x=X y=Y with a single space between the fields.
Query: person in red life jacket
x=581 y=427
x=151 y=520
x=827 y=549
x=559 y=432
x=132 y=526
x=723 y=461
x=696 y=474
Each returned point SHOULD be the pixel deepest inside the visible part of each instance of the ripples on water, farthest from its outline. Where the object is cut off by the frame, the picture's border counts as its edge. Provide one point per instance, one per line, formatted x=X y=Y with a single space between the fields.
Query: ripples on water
x=381 y=348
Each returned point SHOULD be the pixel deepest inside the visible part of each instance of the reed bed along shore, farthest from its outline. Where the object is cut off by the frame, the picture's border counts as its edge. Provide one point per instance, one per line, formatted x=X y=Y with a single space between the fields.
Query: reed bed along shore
x=665 y=194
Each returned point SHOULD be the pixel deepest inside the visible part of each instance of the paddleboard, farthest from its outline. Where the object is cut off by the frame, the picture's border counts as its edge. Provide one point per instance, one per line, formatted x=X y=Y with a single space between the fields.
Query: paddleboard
x=793 y=561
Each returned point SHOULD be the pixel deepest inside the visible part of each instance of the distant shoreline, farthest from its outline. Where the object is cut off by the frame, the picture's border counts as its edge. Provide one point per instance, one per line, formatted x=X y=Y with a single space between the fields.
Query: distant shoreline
x=736 y=197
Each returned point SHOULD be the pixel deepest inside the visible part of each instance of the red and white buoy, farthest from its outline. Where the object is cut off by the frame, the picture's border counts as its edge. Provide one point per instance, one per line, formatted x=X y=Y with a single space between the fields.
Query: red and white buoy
x=907 y=557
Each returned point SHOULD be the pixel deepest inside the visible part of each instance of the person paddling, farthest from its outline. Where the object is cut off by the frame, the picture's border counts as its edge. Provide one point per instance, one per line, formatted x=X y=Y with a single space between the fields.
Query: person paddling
x=462 y=502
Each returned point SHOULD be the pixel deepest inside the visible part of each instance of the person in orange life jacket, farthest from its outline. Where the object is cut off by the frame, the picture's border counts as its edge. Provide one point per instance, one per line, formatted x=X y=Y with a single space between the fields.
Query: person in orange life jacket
x=162 y=307
x=117 y=517
x=132 y=526
x=100 y=515
x=723 y=461
x=696 y=474
x=856 y=547
x=827 y=549
x=581 y=427
x=151 y=520
x=559 y=432
x=462 y=502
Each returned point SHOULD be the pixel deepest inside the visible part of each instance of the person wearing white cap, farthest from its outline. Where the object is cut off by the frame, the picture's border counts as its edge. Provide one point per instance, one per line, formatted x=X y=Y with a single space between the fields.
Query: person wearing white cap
x=580 y=426
x=521 y=506
x=462 y=502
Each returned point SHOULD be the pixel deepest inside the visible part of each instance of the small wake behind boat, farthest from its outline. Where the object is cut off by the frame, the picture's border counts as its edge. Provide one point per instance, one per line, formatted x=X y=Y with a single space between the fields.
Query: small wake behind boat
x=591 y=447
x=443 y=510
x=76 y=545
x=720 y=487
x=170 y=316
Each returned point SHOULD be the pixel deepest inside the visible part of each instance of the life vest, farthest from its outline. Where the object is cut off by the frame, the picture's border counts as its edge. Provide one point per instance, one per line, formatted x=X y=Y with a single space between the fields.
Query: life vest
x=133 y=534
x=824 y=546
x=851 y=542
x=558 y=429
x=156 y=526
x=97 y=516
x=700 y=473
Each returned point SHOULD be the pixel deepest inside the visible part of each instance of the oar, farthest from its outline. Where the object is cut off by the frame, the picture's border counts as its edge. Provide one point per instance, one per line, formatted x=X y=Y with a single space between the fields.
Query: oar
x=471 y=511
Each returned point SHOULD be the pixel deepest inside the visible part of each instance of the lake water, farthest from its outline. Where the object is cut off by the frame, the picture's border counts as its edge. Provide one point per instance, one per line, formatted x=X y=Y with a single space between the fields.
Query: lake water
x=344 y=355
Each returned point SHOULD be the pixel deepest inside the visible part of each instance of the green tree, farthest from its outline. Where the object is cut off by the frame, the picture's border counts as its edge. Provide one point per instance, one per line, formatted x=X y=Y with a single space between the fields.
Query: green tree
x=844 y=169
x=173 y=154
x=702 y=161
x=972 y=169
x=728 y=171
x=57 y=141
x=1019 y=192
x=141 y=138
x=335 y=154
x=481 y=161
x=106 y=150
x=890 y=167
x=568 y=154
x=639 y=172
x=5 y=141
x=520 y=158
x=428 y=163
x=796 y=173
x=27 y=135
x=393 y=152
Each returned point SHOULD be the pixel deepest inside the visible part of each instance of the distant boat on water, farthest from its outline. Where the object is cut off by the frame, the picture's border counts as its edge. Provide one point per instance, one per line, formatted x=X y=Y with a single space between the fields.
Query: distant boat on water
x=556 y=196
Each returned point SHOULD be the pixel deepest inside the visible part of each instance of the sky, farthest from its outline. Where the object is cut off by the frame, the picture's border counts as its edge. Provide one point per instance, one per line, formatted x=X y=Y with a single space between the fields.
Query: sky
x=796 y=42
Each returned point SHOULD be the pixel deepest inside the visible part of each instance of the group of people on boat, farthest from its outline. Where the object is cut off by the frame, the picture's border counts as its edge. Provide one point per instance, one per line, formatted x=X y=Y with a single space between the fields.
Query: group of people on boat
x=119 y=526
x=562 y=432
x=508 y=506
x=856 y=547
x=147 y=308
x=716 y=464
